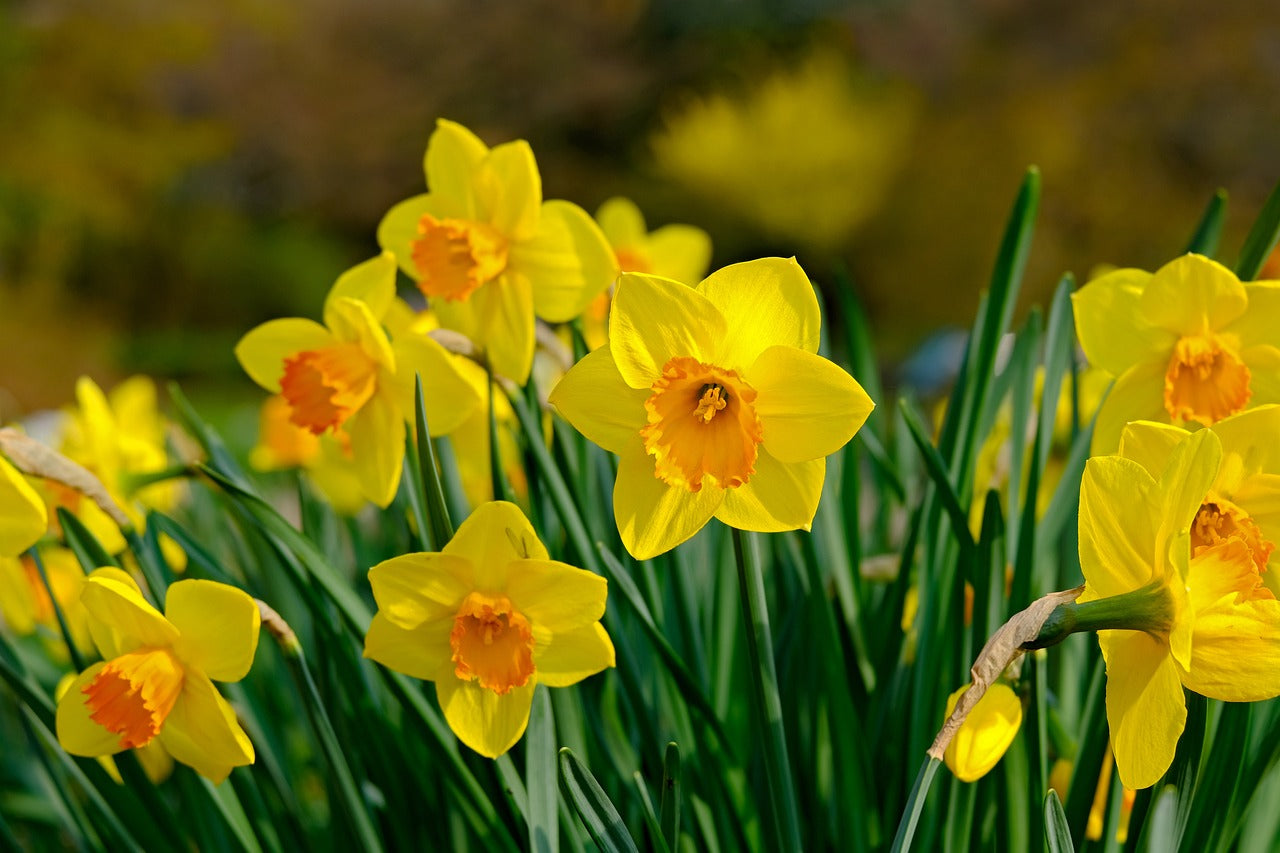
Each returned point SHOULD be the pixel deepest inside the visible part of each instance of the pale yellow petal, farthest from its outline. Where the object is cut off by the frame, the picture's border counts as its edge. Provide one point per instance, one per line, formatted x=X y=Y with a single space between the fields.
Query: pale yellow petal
x=653 y=517
x=494 y=536
x=454 y=155
x=1136 y=395
x=778 y=496
x=622 y=222
x=416 y=588
x=202 y=731
x=449 y=397
x=398 y=229
x=594 y=398
x=498 y=317
x=1146 y=708
x=419 y=652
x=767 y=302
x=1114 y=332
x=353 y=322
x=1260 y=323
x=1193 y=295
x=508 y=190
x=1150 y=444
x=986 y=734
x=568 y=262
x=23 y=518
x=808 y=406
x=1117 y=525
x=574 y=655
x=681 y=252
x=263 y=350
x=654 y=320
x=377 y=447
x=487 y=722
x=372 y=282
x=218 y=625
x=556 y=596
x=77 y=732
x=119 y=618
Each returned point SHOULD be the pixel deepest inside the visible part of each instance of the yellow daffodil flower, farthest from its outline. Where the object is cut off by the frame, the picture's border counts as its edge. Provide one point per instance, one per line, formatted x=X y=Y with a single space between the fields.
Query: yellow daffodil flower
x=489 y=253
x=1188 y=343
x=347 y=375
x=1244 y=500
x=25 y=603
x=326 y=460
x=23 y=518
x=985 y=735
x=1204 y=622
x=487 y=619
x=155 y=761
x=155 y=680
x=717 y=402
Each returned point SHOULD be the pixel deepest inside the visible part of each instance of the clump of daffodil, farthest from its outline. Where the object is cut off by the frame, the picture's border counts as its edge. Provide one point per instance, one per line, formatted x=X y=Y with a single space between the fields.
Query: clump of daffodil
x=1173 y=619
x=25 y=603
x=679 y=252
x=23 y=517
x=1189 y=343
x=716 y=401
x=156 y=679
x=1243 y=501
x=487 y=619
x=489 y=253
x=985 y=735
x=347 y=377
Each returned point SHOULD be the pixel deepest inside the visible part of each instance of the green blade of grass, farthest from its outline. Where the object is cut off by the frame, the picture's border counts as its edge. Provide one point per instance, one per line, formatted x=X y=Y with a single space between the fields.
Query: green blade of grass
x=1204 y=240
x=1261 y=239
x=594 y=808
x=1057 y=832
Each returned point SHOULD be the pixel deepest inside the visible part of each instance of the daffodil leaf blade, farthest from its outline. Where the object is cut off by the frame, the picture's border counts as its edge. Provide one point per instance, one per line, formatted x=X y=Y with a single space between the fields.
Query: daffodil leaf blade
x=1056 y=831
x=1204 y=240
x=1261 y=239
x=593 y=806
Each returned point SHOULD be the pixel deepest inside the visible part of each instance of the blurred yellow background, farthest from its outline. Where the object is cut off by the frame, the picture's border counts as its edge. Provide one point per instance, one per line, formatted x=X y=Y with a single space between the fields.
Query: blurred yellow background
x=173 y=173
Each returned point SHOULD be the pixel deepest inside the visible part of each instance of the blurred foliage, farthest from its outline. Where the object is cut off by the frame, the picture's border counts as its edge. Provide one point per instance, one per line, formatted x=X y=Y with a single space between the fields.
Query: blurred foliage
x=175 y=174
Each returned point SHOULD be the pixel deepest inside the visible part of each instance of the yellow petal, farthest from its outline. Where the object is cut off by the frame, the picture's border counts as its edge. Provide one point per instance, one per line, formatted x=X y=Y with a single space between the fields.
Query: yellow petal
x=498 y=317
x=23 y=517
x=808 y=406
x=263 y=350
x=1191 y=469
x=420 y=652
x=417 y=588
x=119 y=618
x=1249 y=435
x=1193 y=295
x=1117 y=525
x=681 y=252
x=377 y=447
x=1235 y=647
x=779 y=496
x=399 y=228
x=449 y=397
x=454 y=155
x=372 y=282
x=495 y=535
x=202 y=731
x=1260 y=323
x=568 y=262
x=622 y=222
x=556 y=596
x=1136 y=395
x=768 y=302
x=77 y=732
x=17 y=604
x=487 y=722
x=574 y=655
x=1150 y=444
x=654 y=320
x=219 y=627
x=986 y=734
x=1146 y=709
x=1114 y=332
x=508 y=190
x=594 y=398
x=653 y=517
x=353 y=322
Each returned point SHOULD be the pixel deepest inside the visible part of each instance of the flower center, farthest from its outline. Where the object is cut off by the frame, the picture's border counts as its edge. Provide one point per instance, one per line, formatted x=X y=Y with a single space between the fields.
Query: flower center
x=134 y=693
x=1205 y=382
x=1219 y=520
x=454 y=256
x=492 y=643
x=326 y=386
x=702 y=423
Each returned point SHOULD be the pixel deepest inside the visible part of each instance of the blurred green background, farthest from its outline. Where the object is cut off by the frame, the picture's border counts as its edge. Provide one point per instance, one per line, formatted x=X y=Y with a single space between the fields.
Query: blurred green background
x=173 y=173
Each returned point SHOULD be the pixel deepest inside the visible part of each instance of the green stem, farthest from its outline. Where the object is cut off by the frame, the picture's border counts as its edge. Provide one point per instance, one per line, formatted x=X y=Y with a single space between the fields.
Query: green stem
x=1147 y=609
x=77 y=660
x=764 y=680
x=915 y=803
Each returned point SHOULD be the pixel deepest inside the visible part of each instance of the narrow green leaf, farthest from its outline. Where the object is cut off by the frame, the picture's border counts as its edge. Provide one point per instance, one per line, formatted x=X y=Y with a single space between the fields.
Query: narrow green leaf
x=83 y=544
x=1204 y=241
x=1056 y=830
x=938 y=474
x=669 y=803
x=593 y=806
x=441 y=525
x=914 y=805
x=1161 y=829
x=1262 y=238
x=540 y=775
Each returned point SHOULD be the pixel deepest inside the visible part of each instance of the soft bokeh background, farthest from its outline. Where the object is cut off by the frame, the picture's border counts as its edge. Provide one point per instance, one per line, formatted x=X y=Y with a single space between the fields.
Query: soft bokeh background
x=173 y=173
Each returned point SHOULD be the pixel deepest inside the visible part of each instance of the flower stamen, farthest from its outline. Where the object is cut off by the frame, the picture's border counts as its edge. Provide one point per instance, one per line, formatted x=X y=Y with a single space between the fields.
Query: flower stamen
x=324 y=387
x=134 y=693
x=454 y=257
x=1205 y=381
x=492 y=643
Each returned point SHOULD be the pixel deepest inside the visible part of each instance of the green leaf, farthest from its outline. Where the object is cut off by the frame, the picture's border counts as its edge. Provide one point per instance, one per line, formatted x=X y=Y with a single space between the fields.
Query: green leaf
x=669 y=804
x=1209 y=231
x=1056 y=831
x=540 y=775
x=1262 y=238
x=593 y=806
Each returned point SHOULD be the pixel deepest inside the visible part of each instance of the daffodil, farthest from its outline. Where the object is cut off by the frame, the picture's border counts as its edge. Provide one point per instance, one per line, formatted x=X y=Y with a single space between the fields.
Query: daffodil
x=348 y=375
x=23 y=518
x=985 y=735
x=716 y=401
x=326 y=460
x=156 y=679
x=489 y=253
x=487 y=619
x=25 y=603
x=1189 y=343
x=1204 y=622
x=1244 y=500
